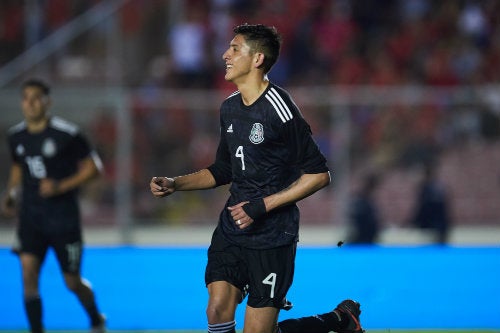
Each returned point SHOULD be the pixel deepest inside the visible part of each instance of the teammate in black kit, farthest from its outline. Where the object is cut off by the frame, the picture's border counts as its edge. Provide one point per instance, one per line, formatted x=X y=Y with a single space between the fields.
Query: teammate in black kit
x=51 y=160
x=267 y=153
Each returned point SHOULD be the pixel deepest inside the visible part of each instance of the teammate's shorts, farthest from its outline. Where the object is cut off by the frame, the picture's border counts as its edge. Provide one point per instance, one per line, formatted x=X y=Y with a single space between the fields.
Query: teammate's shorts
x=265 y=274
x=67 y=246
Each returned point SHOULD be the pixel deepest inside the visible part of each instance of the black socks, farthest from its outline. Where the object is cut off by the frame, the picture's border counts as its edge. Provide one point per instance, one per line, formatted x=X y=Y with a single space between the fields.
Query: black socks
x=323 y=323
x=33 y=307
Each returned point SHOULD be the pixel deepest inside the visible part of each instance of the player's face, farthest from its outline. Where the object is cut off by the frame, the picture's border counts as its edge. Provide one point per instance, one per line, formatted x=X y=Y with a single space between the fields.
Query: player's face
x=238 y=59
x=34 y=104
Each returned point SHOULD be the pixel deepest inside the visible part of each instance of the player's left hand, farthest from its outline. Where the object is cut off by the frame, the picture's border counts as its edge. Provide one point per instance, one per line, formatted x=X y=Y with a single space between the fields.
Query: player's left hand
x=48 y=188
x=240 y=217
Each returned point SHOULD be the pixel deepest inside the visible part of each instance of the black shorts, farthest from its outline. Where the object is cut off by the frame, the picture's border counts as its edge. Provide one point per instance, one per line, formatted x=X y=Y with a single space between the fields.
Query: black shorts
x=67 y=246
x=265 y=274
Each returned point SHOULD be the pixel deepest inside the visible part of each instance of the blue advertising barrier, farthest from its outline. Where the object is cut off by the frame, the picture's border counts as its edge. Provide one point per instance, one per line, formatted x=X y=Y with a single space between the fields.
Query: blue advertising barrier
x=141 y=288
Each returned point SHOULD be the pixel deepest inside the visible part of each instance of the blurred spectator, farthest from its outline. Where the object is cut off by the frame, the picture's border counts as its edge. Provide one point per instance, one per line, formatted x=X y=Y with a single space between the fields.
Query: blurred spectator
x=185 y=41
x=11 y=30
x=363 y=213
x=432 y=210
x=331 y=41
x=413 y=10
x=473 y=22
x=490 y=124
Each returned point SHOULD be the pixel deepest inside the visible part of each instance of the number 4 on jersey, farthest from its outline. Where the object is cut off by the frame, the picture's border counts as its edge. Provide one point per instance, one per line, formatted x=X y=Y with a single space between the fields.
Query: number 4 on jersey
x=239 y=153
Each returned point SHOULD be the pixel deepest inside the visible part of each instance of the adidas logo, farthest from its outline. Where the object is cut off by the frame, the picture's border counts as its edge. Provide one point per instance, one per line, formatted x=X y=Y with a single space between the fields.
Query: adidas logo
x=230 y=129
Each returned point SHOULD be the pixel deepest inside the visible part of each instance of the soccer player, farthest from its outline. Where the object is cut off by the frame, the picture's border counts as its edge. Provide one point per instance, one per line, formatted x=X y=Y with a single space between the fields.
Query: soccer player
x=432 y=205
x=267 y=153
x=51 y=160
x=363 y=212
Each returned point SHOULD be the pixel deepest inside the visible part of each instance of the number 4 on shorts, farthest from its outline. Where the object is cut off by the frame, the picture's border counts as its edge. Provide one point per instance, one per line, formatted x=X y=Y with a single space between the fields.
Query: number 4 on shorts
x=270 y=280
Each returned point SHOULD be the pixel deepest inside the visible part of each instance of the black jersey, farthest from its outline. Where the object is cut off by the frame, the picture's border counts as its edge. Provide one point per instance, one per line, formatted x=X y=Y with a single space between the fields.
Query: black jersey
x=53 y=153
x=263 y=149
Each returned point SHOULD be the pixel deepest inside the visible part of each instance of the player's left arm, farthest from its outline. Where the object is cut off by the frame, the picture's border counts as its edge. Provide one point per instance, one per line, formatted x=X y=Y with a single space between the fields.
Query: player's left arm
x=89 y=167
x=307 y=184
x=303 y=187
x=307 y=156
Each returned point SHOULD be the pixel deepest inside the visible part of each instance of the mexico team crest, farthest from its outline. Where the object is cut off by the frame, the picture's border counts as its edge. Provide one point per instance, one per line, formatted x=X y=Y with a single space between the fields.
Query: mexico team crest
x=257 y=133
x=49 y=147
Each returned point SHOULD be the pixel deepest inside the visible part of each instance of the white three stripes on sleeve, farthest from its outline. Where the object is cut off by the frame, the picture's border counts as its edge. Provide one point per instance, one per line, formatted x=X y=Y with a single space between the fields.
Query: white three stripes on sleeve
x=279 y=105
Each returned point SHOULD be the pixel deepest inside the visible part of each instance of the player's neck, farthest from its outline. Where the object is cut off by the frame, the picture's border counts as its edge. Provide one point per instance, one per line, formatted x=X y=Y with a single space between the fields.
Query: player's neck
x=38 y=125
x=251 y=91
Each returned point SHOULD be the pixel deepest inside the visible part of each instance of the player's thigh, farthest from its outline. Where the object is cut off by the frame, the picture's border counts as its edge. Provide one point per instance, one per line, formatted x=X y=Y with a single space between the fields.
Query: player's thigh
x=68 y=248
x=31 y=239
x=31 y=247
x=226 y=263
x=271 y=274
x=261 y=320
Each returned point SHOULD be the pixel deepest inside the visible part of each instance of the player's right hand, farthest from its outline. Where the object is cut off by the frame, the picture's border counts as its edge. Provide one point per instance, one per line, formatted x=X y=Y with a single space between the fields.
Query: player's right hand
x=8 y=207
x=162 y=186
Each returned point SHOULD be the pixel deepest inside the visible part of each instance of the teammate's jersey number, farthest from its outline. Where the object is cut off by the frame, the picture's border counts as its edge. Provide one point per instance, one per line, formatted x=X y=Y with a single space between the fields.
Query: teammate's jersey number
x=36 y=166
x=241 y=155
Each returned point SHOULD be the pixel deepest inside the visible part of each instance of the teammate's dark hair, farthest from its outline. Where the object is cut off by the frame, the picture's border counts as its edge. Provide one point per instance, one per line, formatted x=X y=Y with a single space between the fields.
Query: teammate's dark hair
x=263 y=39
x=40 y=84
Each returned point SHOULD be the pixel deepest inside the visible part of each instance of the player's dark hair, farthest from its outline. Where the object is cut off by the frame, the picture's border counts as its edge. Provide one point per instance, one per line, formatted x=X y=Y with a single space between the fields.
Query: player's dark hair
x=37 y=83
x=263 y=39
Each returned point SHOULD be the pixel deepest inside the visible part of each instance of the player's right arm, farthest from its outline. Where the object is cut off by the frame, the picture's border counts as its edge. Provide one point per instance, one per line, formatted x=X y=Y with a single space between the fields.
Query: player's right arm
x=164 y=186
x=219 y=173
x=9 y=200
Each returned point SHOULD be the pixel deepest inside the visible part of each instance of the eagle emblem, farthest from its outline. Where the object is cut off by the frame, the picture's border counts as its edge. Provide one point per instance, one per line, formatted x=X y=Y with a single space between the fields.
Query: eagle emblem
x=257 y=133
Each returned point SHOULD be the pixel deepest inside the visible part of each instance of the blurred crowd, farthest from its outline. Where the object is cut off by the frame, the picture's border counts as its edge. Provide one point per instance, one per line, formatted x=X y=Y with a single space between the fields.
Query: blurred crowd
x=148 y=46
x=179 y=43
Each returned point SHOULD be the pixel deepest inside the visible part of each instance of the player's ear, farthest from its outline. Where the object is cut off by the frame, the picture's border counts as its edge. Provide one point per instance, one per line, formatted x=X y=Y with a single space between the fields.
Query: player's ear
x=47 y=101
x=258 y=59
